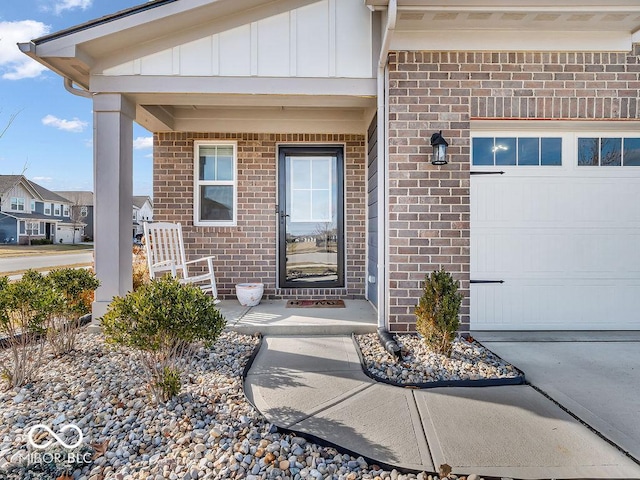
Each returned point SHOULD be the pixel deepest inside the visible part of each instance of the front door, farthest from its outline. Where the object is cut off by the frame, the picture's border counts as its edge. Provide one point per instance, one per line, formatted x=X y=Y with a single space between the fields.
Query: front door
x=311 y=217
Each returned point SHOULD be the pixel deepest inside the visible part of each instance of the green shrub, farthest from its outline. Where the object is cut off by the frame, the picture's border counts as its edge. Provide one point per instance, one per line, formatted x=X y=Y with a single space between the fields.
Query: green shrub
x=76 y=286
x=25 y=308
x=437 y=311
x=161 y=321
x=40 y=241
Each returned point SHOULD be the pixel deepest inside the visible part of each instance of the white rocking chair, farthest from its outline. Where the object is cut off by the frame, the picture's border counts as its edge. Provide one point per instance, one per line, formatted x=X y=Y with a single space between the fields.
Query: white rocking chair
x=165 y=254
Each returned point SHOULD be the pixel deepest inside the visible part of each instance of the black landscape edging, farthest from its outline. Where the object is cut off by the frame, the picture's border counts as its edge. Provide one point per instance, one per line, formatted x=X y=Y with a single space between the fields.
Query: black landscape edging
x=485 y=382
x=84 y=321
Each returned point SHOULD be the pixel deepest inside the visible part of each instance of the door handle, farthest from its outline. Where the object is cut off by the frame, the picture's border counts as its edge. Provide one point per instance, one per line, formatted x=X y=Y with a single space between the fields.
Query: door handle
x=283 y=215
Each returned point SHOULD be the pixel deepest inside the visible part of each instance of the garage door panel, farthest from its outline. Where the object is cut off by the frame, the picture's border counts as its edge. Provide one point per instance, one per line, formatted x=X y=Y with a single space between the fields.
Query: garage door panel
x=526 y=304
x=566 y=243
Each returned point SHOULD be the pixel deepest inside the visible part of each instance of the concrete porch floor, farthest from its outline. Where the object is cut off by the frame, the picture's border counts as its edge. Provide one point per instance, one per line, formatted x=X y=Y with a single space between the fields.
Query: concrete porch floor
x=272 y=317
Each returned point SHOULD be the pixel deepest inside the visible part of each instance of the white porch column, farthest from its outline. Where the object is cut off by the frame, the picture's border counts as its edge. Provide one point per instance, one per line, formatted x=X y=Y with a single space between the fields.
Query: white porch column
x=113 y=184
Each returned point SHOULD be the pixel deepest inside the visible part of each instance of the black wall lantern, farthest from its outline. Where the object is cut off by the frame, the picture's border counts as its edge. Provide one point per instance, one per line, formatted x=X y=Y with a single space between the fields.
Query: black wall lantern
x=439 y=145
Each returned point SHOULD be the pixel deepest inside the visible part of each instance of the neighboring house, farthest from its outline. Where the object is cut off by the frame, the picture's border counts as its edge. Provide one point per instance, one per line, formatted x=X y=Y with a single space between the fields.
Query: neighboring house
x=29 y=212
x=81 y=210
x=142 y=212
x=292 y=141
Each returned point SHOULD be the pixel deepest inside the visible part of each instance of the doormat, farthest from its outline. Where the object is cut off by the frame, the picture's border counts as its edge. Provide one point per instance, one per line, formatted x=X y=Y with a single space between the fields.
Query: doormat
x=315 y=304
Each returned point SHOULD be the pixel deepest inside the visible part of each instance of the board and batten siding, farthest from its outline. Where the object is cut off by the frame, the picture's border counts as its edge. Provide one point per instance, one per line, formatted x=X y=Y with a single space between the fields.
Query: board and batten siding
x=330 y=38
x=372 y=212
x=17 y=191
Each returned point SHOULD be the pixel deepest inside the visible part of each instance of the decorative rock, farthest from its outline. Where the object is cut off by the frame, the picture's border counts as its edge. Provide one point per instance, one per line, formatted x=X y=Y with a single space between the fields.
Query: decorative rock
x=208 y=431
x=469 y=360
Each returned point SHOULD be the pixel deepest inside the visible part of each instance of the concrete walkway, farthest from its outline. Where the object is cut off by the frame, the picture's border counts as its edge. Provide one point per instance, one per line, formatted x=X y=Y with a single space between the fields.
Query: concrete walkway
x=315 y=385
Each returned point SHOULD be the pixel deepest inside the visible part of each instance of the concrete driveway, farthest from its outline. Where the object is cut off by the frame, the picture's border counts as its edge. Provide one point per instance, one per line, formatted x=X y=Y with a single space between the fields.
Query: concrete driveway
x=598 y=382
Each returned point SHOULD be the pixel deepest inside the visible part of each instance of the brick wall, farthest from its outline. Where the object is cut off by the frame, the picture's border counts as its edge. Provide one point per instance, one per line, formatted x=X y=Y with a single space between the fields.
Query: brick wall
x=432 y=91
x=248 y=251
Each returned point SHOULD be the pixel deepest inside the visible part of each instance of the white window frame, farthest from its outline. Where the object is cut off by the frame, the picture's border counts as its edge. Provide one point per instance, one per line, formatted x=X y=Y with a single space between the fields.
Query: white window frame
x=84 y=211
x=18 y=202
x=65 y=210
x=47 y=208
x=56 y=210
x=197 y=183
x=32 y=205
x=32 y=228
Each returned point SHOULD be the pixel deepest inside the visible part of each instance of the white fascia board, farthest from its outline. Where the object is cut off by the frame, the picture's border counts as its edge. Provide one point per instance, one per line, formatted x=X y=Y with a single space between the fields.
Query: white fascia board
x=492 y=41
x=361 y=87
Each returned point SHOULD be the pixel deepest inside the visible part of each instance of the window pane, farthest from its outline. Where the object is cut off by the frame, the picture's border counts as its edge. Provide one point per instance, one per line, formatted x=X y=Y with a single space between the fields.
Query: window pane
x=483 y=151
x=505 y=149
x=301 y=206
x=321 y=173
x=216 y=202
x=225 y=168
x=551 y=151
x=611 y=151
x=528 y=151
x=216 y=162
x=632 y=152
x=300 y=173
x=321 y=206
x=588 y=151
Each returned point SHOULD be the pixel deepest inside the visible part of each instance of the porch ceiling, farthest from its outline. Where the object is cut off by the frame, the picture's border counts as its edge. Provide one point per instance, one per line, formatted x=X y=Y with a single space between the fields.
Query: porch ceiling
x=255 y=113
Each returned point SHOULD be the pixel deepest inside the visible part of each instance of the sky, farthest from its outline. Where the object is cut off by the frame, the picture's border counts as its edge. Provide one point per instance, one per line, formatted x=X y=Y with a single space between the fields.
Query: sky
x=50 y=139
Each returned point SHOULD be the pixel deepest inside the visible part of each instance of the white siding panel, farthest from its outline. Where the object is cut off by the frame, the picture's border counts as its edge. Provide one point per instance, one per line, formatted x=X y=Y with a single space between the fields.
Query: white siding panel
x=160 y=63
x=353 y=53
x=196 y=58
x=313 y=40
x=328 y=38
x=235 y=51
x=274 y=46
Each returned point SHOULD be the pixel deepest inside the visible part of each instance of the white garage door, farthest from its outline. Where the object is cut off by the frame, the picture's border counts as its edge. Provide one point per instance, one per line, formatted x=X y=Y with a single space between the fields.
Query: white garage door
x=563 y=235
x=65 y=233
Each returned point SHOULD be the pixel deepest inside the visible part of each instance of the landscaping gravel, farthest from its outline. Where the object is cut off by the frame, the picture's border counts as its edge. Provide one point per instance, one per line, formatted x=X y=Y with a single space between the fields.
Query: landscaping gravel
x=420 y=364
x=209 y=431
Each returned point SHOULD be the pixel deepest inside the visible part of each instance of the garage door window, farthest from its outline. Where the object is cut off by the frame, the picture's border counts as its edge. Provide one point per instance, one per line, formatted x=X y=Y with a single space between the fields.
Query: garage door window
x=517 y=151
x=609 y=151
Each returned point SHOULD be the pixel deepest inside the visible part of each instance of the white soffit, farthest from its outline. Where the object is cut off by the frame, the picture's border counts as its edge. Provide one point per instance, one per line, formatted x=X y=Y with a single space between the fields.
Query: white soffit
x=501 y=25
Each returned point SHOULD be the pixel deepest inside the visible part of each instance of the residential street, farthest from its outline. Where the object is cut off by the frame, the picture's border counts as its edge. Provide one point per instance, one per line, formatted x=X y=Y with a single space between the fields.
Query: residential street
x=13 y=264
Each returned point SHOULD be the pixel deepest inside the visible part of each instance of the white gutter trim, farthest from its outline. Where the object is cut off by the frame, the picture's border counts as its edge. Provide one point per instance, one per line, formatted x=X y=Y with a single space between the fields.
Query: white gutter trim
x=68 y=85
x=392 y=16
x=383 y=170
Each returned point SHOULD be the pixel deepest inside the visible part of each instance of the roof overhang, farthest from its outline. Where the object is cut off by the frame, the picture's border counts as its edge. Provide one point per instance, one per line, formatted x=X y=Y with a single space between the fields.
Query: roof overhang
x=614 y=20
x=73 y=52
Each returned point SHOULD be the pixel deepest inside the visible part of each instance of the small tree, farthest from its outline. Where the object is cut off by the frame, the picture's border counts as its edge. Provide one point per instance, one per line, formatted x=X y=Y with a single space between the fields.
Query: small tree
x=437 y=311
x=161 y=321
x=25 y=307
x=76 y=286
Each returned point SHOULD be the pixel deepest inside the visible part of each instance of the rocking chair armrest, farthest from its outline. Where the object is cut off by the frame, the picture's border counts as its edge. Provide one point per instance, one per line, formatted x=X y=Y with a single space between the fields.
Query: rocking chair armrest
x=202 y=259
x=165 y=265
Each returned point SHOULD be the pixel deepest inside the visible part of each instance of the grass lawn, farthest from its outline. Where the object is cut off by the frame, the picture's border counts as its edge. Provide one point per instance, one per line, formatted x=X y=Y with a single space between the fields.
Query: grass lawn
x=29 y=250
